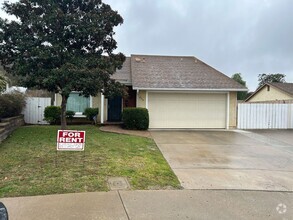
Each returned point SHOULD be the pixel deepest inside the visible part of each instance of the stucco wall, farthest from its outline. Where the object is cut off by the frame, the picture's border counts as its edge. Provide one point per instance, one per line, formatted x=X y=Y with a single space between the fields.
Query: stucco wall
x=272 y=95
x=141 y=99
x=233 y=110
x=58 y=100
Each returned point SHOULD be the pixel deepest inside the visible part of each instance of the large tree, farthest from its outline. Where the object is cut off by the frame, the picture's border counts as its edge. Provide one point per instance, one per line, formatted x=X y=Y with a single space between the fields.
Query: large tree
x=238 y=78
x=62 y=46
x=270 y=78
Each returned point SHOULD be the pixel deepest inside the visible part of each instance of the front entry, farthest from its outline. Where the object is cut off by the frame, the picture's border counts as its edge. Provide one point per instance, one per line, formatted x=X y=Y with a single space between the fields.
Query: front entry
x=114 y=109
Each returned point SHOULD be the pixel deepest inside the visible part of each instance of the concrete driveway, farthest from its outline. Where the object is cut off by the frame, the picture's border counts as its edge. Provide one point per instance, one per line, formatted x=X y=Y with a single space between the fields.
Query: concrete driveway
x=245 y=160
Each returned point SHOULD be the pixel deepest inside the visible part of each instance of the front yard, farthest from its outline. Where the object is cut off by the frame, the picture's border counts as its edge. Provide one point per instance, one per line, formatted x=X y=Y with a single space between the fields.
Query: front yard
x=28 y=164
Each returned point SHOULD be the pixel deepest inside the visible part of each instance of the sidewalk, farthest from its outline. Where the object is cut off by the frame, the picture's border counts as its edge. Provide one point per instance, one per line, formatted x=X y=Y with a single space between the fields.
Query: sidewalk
x=161 y=204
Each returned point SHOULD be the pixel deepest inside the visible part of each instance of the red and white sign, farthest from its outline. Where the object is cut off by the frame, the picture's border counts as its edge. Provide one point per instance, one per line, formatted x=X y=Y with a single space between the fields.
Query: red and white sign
x=70 y=140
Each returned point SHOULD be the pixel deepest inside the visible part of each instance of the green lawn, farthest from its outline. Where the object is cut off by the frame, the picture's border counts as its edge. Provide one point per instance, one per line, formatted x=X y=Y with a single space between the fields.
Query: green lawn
x=28 y=163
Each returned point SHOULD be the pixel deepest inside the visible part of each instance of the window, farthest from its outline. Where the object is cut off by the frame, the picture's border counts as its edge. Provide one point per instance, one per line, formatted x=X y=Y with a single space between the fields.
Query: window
x=77 y=103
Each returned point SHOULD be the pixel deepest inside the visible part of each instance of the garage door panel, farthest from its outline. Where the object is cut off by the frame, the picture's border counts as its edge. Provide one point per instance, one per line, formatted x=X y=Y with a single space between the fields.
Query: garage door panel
x=187 y=110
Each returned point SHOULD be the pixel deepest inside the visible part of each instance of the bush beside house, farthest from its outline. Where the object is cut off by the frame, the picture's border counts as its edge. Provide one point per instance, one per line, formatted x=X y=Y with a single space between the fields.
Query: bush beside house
x=52 y=115
x=91 y=113
x=135 y=118
x=12 y=104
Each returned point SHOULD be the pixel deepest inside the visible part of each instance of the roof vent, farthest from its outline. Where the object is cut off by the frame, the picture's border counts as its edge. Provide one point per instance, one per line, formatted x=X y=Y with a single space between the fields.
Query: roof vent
x=137 y=59
x=181 y=59
x=143 y=60
x=195 y=60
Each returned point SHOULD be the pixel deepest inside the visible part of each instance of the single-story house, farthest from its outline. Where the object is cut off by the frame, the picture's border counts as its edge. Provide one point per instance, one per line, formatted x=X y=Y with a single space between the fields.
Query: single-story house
x=178 y=91
x=273 y=92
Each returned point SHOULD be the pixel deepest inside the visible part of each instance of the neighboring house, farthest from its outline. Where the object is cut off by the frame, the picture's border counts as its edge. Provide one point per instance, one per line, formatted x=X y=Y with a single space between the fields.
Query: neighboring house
x=273 y=92
x=178 y=91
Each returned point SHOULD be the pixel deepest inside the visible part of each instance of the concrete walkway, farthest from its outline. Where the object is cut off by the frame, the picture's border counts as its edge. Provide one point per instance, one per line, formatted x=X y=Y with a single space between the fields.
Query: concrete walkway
x=117 y=129
x=161 y=204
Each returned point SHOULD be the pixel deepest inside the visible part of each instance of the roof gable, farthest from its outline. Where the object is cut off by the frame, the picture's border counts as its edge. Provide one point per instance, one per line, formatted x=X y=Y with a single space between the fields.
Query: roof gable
x=284 y=88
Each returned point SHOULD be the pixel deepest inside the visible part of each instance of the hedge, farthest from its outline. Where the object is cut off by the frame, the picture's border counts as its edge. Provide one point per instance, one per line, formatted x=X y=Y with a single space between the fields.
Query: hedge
x=135 y=118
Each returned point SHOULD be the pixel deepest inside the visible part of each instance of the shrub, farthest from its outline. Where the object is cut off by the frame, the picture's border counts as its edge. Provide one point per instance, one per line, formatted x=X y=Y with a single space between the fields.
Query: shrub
x=53 y=115
x=12 y=104
x=70 y=114
x=135 y=118
x=90 y=113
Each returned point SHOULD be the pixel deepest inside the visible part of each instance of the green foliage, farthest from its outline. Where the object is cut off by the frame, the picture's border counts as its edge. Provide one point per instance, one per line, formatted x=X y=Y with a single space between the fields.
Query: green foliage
x=3 y=81
x=135 y=118
x=271 y=78
x=238 y=78
x=62 y=46
x=12 y=104
x=29 y=150
x=90 y=113
x=70 y=114
x=52 y=115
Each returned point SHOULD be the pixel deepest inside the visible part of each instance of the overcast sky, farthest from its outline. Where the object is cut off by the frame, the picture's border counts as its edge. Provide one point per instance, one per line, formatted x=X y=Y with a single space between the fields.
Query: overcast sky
x=246 y=36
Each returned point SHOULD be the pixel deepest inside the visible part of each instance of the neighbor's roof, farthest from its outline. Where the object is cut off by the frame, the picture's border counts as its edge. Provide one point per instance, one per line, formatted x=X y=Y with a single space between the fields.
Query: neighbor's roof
x=285 y=87
x=177 y=72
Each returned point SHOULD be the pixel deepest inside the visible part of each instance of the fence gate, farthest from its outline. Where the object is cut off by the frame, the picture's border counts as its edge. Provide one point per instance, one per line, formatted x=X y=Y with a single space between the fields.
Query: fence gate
x=265 y=116
x=34 y=110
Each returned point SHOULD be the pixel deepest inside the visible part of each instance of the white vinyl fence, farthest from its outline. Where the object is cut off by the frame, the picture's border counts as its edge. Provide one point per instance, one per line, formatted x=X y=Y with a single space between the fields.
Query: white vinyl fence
x=34 y=110
x=265 y=116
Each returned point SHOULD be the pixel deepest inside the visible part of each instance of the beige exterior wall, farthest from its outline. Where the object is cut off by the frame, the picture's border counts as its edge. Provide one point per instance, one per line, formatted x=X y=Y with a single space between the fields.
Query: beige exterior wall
x=58 y=100
x=141 y=99
x=272 y=95
x=232 y=109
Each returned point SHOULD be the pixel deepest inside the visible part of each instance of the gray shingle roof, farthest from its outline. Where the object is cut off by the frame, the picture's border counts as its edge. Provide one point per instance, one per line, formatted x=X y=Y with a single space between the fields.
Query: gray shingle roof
x=175 y=72
x=286 y=87
x=124 y=74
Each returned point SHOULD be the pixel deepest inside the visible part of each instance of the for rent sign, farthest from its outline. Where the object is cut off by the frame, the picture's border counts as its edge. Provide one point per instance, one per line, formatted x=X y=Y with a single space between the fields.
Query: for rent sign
x=70 y=140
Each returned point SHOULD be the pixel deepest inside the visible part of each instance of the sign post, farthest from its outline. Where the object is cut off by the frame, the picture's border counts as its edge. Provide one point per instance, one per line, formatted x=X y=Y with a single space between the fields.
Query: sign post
x=70 y=140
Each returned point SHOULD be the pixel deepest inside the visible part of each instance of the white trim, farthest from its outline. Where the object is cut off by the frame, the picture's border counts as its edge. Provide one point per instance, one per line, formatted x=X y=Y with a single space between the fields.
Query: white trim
x=102 y=108
x=146 y=99
x=91 y=101
x=195 y=92
x=55 y=99
x=189 y=89
x=228 y=111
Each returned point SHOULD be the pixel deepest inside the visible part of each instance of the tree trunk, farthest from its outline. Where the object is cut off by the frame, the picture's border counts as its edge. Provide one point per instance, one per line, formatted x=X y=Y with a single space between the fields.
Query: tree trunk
x=63 y=112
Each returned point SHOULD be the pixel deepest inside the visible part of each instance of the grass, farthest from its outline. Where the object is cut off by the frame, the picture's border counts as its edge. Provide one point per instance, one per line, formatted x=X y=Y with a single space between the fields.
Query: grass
x=28 y=163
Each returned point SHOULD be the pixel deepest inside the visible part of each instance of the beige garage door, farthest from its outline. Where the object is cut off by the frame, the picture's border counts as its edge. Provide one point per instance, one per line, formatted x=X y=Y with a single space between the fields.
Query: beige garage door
x=187 y=110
